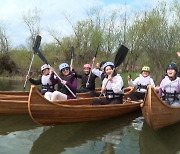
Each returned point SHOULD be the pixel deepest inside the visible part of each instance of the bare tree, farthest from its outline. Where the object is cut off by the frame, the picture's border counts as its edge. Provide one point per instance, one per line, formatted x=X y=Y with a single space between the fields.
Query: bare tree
x=32 y=21
x=4 y=44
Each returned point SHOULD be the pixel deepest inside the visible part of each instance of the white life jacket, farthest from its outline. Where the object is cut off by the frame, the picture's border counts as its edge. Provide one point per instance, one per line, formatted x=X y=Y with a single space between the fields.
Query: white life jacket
x=45 y=80
x=142 y=84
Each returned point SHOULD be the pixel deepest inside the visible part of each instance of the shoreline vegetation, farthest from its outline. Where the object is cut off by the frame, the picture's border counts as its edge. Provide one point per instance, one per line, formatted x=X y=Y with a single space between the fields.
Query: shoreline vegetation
x=151 y=36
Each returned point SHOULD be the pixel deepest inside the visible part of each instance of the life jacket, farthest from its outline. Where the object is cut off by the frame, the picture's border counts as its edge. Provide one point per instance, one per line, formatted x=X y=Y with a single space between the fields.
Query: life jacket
x=143 y=83
x=170 y=96
x=111 y=95
x=68 y=78
x=46 y=84
x=91 y=83
x=171 y=90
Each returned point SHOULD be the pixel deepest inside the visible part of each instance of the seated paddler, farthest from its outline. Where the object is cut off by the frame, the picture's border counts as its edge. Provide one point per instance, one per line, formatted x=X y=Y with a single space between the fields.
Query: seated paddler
x=112 y=86
x=169 y=88
x=66 y=86
x=140 y=84
x=43 y=80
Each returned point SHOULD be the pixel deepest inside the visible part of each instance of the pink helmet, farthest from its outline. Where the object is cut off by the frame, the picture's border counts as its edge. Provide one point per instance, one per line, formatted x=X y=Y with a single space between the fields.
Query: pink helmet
x=86 y=66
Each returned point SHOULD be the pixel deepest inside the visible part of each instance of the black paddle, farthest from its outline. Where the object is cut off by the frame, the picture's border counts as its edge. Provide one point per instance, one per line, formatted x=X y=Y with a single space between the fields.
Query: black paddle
x=72 y=57
x=36 y=45
x=119 y=58
x=120 y=55
x=36 y=50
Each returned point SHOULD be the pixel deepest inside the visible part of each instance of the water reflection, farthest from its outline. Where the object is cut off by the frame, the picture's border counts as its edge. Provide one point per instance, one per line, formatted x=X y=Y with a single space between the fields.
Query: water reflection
x=165 y=140
x=107 y=136
x=12 y=123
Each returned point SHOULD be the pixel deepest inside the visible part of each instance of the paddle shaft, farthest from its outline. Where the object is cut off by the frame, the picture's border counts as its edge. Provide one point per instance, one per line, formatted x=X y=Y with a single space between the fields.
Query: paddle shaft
x=71 y=64
x=87 y=83
x=29 y=70
x=72 y=57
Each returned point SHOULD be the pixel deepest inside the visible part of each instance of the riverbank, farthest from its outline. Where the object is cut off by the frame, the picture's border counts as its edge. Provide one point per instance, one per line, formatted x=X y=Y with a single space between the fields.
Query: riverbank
x=20 y=78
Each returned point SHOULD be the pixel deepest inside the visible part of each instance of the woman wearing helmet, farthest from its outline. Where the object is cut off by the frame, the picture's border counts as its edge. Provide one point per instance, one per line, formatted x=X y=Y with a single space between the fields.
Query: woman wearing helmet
x=169 y=88
x=43 y=80
x=68 y=78
x=112 y=86
x=88 y=80
x=140 y=84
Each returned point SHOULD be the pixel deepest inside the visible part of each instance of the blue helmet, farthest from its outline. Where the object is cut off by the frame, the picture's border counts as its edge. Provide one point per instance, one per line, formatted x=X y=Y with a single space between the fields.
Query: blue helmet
x=63 y=65
x=108 y=64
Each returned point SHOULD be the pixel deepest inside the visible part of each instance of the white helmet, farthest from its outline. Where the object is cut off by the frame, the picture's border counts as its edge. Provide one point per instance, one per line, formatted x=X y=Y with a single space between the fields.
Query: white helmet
x=45 y=66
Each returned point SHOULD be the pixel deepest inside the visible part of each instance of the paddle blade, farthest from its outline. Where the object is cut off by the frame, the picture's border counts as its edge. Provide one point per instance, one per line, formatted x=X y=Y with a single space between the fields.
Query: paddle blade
x=37 y=42
x=36 y=50
x=120 y=55
x=72 y=52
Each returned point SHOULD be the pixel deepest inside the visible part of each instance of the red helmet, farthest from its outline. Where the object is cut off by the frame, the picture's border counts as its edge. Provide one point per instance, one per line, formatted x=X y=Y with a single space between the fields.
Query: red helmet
x=87 y=66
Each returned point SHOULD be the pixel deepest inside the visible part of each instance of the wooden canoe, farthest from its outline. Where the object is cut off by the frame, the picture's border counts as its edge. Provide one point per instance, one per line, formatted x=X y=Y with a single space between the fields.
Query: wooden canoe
x=157 y=114
x=23 y=95
x=45 y=112
x=16 y=102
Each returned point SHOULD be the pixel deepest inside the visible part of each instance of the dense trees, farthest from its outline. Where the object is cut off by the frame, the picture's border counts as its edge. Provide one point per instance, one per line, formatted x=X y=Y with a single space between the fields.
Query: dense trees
x=152 y=37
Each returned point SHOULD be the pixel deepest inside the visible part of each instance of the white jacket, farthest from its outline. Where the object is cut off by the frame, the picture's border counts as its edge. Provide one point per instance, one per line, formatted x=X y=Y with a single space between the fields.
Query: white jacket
x=116 y=85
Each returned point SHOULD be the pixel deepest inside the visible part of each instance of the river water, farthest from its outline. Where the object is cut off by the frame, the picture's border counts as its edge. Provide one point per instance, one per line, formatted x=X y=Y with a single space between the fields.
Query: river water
x=128 y=134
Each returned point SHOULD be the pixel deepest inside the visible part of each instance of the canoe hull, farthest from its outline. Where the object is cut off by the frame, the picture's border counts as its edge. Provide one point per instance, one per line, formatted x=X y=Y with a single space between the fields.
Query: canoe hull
x=78 y=110
x=156 y=113
x=13 y=107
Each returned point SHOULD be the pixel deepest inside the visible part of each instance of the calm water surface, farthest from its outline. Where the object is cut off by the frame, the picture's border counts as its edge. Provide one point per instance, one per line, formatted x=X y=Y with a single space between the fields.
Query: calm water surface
x=123 y=135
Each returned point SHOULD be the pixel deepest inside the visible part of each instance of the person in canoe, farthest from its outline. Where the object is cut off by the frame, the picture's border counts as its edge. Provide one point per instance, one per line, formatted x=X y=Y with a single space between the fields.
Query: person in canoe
x=99 y=70
x=44 y=80
x=178 y=54
x=68 y=79
x=140 y=84
x=88 y=80
x=169 y=88
x=112 y=86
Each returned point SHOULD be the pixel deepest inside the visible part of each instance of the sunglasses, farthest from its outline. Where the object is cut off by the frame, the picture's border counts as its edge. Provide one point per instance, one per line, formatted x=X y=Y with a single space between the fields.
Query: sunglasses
x=64 y=69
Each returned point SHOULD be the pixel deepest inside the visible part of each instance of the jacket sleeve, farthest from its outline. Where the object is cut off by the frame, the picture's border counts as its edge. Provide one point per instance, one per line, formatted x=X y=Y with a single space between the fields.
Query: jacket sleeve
x=160 y=88
x=79 y=75
x=152 y=83
x=73 y=85
x=35 y=82
x=133 y=83
x=118 y=84
x=53 y=79
x=97 y=72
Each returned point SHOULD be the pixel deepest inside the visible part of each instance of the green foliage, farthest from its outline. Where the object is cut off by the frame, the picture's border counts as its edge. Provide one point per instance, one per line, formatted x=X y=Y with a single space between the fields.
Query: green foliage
x=7 y=64
x=152 y=37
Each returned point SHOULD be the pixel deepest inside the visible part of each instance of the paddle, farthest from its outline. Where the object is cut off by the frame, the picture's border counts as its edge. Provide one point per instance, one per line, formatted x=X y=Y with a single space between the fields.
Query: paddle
x=36 y=50
x=36 y=45
x=119 y=58
x=72 y=57
x=87 y=83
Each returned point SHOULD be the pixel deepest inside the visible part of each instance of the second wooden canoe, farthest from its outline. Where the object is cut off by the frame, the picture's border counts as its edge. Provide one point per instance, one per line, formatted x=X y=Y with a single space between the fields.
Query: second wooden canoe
x=156 y=113
x=16 y=102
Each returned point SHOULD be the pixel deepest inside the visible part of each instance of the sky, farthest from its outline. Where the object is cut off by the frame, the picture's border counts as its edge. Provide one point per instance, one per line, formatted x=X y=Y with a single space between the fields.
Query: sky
x=53 y=12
